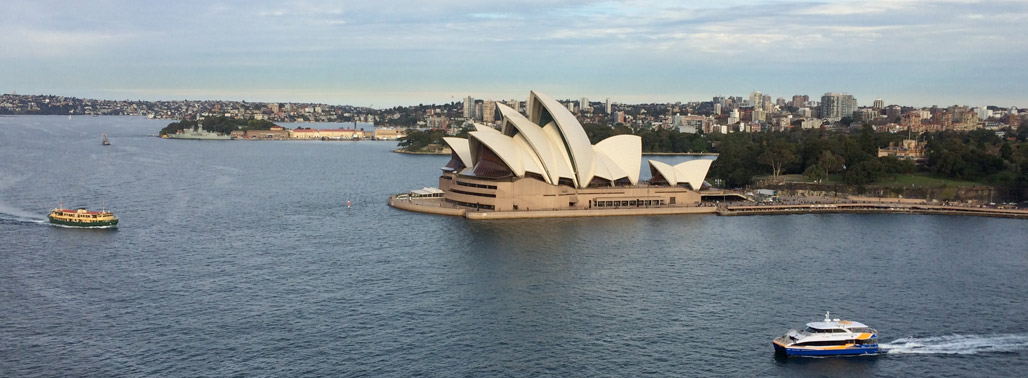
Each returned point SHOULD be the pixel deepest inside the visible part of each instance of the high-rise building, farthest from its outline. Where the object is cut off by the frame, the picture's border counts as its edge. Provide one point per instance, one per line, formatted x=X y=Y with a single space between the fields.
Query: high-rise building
x=733 y=117
x=892 y=113
x=835 y=106
x=469 y=107
x=799 y=101
x=758 y=115
x=717 y=108
x=488 y=111
x=983 y=112
x=606 y=106
x=583 y=104
x=757 y=100
x=879 y=104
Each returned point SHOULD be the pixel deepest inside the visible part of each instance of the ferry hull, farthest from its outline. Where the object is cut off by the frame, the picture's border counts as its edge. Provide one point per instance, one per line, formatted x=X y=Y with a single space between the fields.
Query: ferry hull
x=103 y=223
x=827 y=351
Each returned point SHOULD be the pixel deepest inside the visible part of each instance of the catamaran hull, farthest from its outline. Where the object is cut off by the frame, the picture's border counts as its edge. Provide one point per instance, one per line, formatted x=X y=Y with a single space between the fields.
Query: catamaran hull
x=827 y=351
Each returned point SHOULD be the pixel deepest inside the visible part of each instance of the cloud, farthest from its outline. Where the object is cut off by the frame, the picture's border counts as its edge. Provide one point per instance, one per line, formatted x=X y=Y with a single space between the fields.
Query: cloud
x=37 y=43
x=856 y=8
x=455 y=43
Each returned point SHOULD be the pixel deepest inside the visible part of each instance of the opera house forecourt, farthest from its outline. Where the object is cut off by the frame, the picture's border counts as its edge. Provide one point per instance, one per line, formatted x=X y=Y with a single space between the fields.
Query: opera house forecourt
x=543 y=165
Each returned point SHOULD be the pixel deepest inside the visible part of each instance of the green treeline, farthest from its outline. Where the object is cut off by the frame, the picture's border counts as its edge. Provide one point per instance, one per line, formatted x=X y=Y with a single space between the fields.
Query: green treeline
x=417 y=140
x=979 y=155
x=220 y=124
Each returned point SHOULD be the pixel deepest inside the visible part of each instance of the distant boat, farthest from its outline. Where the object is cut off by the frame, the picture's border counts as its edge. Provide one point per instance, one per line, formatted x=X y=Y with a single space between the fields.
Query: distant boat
x=82 y=217
x=103 y=139
x=198 y=134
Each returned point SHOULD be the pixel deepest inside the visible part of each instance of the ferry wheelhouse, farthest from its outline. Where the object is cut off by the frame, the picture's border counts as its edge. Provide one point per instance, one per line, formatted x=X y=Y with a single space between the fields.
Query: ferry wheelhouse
x=83 y=218
x=830 y=337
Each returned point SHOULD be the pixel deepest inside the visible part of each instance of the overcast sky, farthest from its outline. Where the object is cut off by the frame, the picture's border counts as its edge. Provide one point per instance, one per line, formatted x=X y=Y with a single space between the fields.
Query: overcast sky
x=386 y=53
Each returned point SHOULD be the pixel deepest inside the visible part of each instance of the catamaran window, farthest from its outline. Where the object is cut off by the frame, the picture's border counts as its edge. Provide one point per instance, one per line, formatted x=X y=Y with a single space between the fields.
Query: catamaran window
x=824 y=343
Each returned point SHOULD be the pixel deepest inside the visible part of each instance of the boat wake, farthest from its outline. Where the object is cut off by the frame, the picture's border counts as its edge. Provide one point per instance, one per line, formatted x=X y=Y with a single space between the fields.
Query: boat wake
x=957 y=344
x=15 y=217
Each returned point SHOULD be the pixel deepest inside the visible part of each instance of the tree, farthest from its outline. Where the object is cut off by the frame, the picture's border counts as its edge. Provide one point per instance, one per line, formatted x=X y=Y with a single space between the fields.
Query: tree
x=777 y=154
x=415 y=140
x=865 y=172
x=815 y=173
x=830 y=162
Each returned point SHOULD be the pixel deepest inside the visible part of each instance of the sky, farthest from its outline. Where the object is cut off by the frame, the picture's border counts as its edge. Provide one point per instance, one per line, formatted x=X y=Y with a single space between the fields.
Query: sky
x=394 y=53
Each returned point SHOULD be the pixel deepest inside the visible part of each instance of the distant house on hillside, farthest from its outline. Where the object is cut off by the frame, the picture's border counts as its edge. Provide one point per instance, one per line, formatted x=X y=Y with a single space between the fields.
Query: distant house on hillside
x=326 y=134
x=910 y=149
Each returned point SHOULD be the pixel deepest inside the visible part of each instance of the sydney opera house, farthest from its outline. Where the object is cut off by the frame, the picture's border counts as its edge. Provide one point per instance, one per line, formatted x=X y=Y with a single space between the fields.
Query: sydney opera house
x=544 y=162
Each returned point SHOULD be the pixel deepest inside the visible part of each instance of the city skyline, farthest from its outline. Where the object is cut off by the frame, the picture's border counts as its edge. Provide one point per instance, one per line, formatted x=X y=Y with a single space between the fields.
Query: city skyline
x=918 y=53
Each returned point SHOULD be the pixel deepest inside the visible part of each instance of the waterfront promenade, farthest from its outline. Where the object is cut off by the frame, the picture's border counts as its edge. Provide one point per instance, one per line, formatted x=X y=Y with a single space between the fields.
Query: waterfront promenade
x=871 y=207
x=808 y=205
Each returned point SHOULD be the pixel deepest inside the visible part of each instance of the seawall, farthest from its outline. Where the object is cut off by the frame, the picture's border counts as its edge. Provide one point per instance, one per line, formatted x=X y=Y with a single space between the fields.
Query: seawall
x=440 y=207
x=866 y=208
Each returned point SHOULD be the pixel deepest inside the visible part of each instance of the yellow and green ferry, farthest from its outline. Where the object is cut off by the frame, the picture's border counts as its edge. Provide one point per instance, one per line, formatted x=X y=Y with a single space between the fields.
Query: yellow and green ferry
x=83 y=218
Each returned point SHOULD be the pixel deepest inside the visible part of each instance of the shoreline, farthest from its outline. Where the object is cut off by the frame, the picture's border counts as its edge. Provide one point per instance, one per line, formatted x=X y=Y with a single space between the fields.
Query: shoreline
x=402 y=151
x=870 y=208
x=436 y=206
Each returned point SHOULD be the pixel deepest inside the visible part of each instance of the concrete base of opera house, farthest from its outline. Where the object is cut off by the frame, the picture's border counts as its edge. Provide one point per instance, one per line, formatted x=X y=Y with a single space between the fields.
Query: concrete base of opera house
x=441 y=207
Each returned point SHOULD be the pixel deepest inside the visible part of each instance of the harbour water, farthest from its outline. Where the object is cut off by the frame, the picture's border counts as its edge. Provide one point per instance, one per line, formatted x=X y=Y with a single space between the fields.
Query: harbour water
x=242 y=258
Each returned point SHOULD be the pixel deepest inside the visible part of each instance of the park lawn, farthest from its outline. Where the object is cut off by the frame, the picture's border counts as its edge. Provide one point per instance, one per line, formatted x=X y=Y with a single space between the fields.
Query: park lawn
x=921 y=179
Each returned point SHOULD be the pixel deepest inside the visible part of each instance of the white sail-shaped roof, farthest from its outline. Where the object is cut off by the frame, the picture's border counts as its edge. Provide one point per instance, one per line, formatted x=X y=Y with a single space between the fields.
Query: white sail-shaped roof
x=529 y=158
x=543 y=148
x=502 y=145
x=460 y=148
x=607 y=169
x=573 y=135
x=625 y=151
x=551 y=143
x=565 y=169
x=691 y=172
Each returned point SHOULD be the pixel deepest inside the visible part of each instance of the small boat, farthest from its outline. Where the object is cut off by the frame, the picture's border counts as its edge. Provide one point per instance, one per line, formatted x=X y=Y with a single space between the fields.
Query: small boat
x=103 y=139
x=830 y=337
x=83 y=218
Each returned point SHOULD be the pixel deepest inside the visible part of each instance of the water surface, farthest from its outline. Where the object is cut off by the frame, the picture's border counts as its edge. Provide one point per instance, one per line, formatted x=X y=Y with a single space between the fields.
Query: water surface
x=242 y=258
